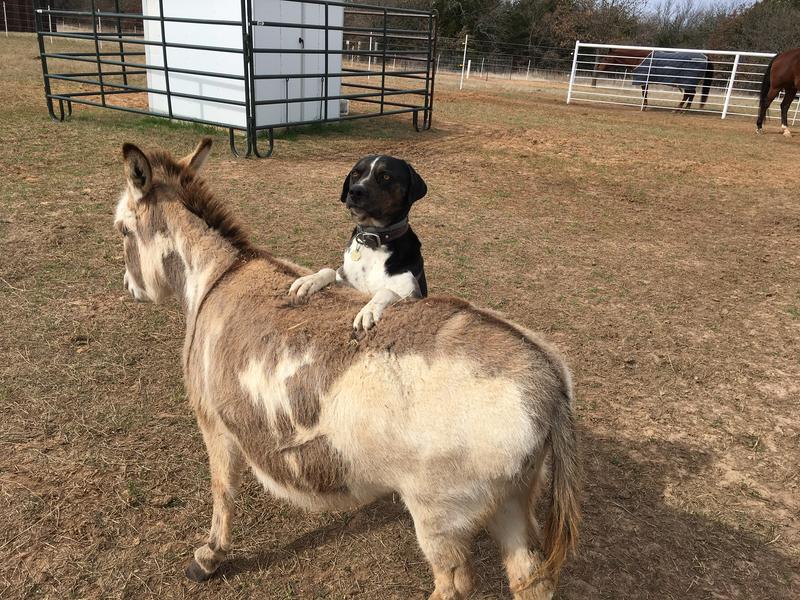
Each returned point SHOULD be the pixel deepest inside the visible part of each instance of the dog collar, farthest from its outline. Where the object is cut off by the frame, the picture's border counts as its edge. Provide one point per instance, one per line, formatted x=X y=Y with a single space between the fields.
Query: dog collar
x=374 y=237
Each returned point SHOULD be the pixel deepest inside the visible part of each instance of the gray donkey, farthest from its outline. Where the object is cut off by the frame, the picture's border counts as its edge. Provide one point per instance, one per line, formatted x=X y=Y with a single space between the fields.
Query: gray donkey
x=452 y=407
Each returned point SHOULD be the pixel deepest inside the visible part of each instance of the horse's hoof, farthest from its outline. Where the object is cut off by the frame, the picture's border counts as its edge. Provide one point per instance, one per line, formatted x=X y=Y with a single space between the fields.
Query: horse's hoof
x=196 y=573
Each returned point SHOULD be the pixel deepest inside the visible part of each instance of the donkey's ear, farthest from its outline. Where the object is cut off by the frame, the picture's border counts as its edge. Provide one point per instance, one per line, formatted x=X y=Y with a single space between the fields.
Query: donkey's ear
x=137 y=169
x=416 y=186
x=197 y=159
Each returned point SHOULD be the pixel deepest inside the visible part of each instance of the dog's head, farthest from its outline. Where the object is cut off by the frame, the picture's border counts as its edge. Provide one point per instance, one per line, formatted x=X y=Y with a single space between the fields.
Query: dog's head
x=379 y=190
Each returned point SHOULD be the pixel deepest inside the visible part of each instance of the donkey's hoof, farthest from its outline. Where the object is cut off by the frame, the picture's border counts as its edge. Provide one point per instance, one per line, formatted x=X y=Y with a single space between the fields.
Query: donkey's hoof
x=197 y=573
x=542 y=590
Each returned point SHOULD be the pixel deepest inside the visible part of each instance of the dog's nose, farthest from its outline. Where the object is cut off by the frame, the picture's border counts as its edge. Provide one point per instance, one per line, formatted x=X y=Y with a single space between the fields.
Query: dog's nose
x=358 y=192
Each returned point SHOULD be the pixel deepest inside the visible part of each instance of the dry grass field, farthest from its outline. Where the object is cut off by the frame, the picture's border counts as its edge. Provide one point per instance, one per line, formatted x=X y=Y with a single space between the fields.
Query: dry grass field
x=658 y=251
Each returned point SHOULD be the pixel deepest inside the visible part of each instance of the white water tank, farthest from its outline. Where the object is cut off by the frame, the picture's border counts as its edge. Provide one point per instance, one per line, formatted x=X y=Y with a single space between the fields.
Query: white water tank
x=232 y=63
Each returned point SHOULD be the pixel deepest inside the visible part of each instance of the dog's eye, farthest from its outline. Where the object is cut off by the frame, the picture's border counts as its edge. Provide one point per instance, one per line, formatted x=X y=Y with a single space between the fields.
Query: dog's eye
x=354 y=174
x=386 y=177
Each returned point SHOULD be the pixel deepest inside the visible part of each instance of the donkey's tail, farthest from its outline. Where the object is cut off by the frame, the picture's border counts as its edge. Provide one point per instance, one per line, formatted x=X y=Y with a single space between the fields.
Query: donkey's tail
x=561 y=529
x=766 y=83
x=707 y=82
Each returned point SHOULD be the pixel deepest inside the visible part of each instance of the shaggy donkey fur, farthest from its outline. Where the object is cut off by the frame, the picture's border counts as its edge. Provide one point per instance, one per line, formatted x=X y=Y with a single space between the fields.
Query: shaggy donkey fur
x=452 y=407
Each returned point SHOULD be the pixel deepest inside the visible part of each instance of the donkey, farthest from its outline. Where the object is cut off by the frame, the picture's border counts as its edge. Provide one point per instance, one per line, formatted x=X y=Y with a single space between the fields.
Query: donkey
x=452 y=407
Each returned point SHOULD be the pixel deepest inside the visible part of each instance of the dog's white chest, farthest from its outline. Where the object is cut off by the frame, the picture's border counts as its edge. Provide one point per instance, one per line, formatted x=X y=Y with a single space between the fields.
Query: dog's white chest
x=365 y=268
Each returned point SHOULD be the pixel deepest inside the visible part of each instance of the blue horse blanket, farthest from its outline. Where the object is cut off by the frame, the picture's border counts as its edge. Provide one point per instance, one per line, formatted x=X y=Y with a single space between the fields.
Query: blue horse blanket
x=680 y=69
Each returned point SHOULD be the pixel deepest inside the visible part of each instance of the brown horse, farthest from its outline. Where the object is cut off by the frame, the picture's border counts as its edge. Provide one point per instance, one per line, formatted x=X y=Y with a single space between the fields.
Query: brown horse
x=627 y=59
x=783 y=73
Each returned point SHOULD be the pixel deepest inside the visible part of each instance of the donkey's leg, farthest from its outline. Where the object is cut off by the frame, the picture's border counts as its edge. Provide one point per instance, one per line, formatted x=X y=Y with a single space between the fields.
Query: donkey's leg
x=789 y=95
x=226 y=464
x=445 y=536
x=514 y=528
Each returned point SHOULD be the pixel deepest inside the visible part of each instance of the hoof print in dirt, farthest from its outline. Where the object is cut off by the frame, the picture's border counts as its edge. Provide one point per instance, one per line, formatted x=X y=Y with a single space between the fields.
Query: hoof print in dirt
x=196 y=573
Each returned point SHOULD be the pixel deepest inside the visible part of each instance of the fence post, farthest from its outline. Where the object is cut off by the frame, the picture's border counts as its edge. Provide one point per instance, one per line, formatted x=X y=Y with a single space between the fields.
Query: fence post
x=572 y=73
x=794 y=117
x=369 y=57
x=469 y=67
x=5 y=18
x=438 y=60
x=730 y=87
x=646 y=88
x=464 y=62
x=482 y=59
x=528 y=72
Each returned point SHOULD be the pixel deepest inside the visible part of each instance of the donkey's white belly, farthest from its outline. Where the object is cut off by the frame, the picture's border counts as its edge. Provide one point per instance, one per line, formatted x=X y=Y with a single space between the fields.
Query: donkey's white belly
x=402 y=421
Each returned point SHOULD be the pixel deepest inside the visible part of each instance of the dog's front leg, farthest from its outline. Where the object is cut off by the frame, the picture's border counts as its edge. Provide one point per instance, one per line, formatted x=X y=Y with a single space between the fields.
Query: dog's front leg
x=372 y=311
x=305 y=286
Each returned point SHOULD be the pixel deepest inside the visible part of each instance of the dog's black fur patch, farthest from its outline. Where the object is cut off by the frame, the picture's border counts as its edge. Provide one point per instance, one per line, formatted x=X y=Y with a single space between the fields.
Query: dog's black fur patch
x=379 y=191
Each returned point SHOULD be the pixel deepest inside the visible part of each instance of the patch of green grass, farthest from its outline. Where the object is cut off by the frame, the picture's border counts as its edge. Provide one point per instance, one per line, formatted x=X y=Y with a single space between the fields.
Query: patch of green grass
x=136 y=494
x=147 y=124
x=315 y=129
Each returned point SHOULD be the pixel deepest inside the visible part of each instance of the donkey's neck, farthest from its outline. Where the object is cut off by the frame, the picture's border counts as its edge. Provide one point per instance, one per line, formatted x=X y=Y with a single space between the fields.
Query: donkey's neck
x=198 y=261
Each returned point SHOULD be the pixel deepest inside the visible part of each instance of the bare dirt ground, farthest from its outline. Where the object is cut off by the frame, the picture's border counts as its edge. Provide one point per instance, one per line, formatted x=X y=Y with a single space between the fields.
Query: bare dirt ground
x=658 y=251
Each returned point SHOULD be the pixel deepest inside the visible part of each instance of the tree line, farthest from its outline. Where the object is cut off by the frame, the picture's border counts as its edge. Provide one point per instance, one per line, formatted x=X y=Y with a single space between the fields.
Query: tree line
x=524 y=25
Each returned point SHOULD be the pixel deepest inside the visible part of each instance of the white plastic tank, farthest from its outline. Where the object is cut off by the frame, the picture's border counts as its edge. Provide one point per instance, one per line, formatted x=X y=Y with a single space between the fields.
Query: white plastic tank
x=232 y=63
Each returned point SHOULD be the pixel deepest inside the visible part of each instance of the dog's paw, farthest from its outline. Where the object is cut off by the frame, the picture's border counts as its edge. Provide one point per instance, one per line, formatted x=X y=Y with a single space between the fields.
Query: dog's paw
x=368 y=316
x=304 y=287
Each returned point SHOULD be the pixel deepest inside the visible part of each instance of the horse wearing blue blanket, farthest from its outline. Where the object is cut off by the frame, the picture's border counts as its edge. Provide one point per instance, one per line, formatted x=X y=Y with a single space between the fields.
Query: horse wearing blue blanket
x=684 y=70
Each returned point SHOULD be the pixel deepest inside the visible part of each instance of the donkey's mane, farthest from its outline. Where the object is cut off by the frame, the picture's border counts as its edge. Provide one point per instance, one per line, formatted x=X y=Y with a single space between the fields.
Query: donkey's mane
x=194 y=194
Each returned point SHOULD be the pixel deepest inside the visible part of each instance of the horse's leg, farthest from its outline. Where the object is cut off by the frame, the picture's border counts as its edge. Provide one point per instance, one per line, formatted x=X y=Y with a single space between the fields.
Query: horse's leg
x=762 y=109
x=688 y=98
x=515 y=530
x=789 y=94
x=682 y=102
x=446 y=543
x=226 y=465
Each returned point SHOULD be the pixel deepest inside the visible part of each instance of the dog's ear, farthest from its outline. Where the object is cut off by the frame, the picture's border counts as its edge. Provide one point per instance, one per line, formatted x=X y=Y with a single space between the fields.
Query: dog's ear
x=416 y=186
x=345 y=187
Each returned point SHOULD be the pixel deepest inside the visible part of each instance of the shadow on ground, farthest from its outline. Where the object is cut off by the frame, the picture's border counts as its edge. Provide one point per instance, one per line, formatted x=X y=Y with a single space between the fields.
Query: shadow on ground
x=634 y=543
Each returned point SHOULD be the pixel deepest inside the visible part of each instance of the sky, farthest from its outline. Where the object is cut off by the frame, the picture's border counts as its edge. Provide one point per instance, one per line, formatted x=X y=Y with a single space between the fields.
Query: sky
x=653 y=4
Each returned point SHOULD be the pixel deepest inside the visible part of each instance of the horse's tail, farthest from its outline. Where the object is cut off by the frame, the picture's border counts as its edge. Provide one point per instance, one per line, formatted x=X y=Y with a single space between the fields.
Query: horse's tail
x=766 y=84
x=707 y=78
x=561 y=529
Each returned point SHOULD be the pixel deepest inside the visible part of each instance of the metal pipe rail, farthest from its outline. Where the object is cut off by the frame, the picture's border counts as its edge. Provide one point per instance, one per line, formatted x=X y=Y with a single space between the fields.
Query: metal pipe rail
x=601 y=73
x=133 y=70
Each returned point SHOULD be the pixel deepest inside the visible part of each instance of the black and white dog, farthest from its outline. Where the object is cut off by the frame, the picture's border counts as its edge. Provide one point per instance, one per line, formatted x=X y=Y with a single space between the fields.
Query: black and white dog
x=383 y=256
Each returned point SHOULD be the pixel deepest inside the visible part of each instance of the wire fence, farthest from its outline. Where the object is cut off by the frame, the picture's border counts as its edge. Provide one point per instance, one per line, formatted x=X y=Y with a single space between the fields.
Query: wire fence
x=511 y=62
x=17 y=17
